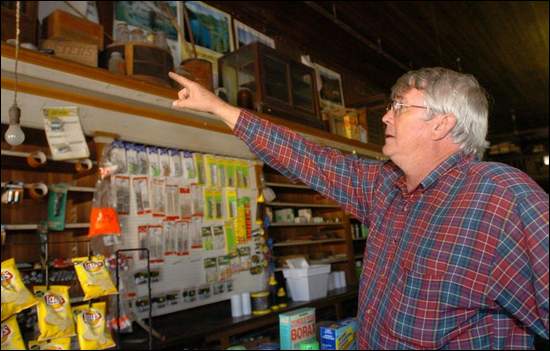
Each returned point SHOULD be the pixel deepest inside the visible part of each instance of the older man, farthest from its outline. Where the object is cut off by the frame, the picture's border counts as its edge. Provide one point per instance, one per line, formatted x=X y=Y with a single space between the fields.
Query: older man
x=457 y=254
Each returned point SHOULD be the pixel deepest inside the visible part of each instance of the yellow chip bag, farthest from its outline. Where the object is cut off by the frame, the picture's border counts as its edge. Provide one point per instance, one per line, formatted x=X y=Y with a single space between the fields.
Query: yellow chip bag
x=91 y=328
x=94 y=277
x=15 y=295
x=55 y=318
x=56 y=344
x=11 y=335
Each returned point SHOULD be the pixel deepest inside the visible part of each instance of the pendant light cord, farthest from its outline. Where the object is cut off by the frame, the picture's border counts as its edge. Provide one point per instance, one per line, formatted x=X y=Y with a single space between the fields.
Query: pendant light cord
x=17 y=31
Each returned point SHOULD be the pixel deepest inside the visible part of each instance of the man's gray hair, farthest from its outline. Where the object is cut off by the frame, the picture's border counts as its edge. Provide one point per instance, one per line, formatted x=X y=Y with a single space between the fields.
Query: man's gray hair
x=447 y=91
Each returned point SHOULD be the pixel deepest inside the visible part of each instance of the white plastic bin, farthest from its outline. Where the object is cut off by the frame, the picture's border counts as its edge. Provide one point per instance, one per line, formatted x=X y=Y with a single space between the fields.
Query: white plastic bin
x=308 y=283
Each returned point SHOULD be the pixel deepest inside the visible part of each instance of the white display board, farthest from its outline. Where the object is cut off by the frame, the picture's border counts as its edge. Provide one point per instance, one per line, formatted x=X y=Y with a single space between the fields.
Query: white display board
x=200 y=253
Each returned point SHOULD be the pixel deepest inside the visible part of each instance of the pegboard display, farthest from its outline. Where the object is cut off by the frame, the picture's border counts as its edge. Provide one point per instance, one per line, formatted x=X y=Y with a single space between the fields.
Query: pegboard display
x=196 y=213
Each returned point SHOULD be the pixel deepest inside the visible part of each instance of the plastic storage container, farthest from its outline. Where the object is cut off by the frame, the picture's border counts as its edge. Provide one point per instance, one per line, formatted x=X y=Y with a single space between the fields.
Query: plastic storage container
x=308 y=283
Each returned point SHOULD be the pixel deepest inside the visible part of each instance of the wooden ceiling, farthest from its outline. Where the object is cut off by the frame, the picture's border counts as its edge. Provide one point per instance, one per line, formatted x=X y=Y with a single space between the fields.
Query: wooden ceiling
x=503 y=44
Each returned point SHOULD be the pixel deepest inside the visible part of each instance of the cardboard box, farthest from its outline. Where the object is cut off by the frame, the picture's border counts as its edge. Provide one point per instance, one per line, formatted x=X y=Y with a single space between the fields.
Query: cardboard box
x=296 y=326
x=83 y=53
x=61 y=25
x=339 y=335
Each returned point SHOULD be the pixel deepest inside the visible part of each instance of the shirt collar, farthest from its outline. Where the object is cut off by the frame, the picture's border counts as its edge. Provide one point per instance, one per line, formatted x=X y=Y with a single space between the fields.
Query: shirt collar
x=444 y=167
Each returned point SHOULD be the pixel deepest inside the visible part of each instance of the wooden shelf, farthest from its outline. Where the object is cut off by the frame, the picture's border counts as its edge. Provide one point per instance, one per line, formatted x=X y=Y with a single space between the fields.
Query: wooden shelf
x=81 y=189
x=308 y=242
x=329 y=261
x=26 y=154
x=358 y=257
x=35 y=226
x=305 y=224
x=295 y=204
x=287 y=185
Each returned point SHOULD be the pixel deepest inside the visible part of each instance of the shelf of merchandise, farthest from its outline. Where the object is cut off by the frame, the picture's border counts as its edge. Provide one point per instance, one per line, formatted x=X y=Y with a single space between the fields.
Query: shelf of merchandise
x=286 y=185
x=26 y=154
x=308 y=242
x=81 y=189
x=305 y=224
x=35 y=226
x=295 y=204
x=359 y=239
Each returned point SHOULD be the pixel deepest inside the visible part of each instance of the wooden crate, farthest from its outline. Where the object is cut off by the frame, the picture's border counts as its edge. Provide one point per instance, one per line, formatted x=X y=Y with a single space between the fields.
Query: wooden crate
x=73 y=51
x=62 y=25
x=144 y=61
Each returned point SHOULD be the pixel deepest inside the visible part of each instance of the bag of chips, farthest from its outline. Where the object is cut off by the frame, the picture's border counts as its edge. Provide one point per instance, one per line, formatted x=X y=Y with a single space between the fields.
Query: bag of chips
x=91 y=328
x=55 y=318
x=55 y=344
x=94 y=277
x=15 y=295
x=11 y=335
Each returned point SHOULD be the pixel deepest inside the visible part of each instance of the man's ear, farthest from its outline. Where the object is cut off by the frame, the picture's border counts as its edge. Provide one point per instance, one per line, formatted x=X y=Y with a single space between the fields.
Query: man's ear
x=443 y=125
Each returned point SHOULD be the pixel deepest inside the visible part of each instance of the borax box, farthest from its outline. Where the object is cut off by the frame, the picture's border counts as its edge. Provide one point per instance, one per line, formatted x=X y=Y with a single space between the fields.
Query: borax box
x=296 y=326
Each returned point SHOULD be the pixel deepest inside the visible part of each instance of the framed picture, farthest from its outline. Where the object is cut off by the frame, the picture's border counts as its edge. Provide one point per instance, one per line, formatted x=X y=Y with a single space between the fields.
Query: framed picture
x=211 y=27
x=329 y=84
x=245 y=35
x=149 y=16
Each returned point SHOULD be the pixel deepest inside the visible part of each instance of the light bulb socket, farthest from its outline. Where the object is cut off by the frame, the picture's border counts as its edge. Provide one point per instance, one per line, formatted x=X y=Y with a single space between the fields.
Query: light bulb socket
x=14 y=114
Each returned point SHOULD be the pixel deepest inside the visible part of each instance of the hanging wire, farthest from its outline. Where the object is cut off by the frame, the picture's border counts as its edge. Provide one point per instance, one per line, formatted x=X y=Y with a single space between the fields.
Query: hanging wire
x=17 y=31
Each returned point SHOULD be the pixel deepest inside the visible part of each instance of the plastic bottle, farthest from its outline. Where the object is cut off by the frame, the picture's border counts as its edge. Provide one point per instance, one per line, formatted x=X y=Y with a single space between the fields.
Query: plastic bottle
x=273 y=287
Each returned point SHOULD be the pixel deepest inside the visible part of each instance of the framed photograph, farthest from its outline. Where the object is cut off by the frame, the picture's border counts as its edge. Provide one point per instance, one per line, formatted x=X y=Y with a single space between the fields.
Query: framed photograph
x=329 y=84
x=149 y=16
x=245 y=35
x=211 y=27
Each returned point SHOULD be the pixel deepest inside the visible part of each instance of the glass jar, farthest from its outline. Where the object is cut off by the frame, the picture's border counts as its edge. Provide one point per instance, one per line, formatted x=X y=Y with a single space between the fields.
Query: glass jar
x=160 y=40
x=137 y=35
x=122 y=34
x=117 y=65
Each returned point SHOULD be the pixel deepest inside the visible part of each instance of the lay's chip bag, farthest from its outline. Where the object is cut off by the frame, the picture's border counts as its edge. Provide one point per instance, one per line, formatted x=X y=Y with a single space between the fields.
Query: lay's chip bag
x=11 y=335
x=55 y=344
x=15 y=295
x=94 y=277
x=55 y=318
x=91 y=327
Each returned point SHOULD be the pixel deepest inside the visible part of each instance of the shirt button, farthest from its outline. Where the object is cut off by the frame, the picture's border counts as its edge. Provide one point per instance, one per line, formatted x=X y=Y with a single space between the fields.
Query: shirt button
x=369 y=311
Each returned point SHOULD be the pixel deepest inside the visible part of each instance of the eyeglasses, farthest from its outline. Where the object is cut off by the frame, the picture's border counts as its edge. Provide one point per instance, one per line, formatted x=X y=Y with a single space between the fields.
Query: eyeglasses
x=397 y=107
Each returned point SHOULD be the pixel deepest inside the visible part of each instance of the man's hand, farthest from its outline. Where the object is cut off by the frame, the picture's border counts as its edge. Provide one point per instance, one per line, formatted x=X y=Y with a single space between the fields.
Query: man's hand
x=194 y=96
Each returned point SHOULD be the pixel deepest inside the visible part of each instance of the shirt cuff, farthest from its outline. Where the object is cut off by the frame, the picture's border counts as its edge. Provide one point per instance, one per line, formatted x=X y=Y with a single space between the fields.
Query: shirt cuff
x=243 y=123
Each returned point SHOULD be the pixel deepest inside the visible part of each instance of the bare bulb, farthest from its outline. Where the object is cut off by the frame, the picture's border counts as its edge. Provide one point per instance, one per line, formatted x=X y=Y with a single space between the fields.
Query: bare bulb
x=14 y=135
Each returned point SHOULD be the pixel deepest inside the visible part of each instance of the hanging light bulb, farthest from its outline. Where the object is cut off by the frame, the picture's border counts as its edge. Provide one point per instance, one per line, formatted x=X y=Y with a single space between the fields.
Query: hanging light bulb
x=14 y=135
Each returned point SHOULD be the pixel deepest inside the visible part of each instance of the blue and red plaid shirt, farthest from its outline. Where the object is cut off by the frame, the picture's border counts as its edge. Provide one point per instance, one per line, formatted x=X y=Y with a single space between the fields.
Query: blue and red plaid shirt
x=459 y=263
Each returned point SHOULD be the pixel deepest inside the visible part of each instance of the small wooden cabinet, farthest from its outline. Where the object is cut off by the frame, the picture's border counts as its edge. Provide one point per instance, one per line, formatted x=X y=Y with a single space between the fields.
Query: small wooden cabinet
x=279 y=85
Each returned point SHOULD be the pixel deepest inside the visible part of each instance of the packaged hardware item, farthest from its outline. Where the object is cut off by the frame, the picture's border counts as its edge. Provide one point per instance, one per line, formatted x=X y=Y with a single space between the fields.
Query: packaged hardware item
x=91 y=327
x=295 y=327
x=55 y=319
x=339 y=335
x=15 y=296
x=11 y=335
x=57 y=202
x=94 y=277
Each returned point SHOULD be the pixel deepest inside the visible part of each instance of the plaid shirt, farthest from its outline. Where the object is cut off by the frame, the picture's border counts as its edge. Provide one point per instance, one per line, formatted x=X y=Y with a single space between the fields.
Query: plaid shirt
x=459 y=263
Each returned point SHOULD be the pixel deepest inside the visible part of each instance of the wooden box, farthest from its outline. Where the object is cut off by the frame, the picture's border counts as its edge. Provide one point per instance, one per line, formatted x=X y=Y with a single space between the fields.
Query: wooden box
x=62 y=25
x=28 y=21
x=144 y=61
x=85 y=54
